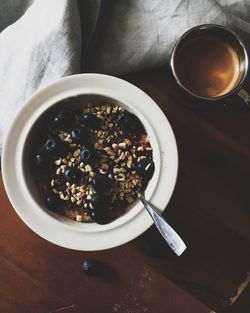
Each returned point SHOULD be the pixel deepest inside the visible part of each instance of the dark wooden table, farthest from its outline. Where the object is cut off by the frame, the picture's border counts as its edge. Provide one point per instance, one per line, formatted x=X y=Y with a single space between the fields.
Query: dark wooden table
x=210 y=208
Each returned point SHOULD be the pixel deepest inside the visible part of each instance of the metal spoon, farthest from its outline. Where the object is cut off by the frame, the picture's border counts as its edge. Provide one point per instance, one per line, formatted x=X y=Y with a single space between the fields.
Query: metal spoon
x=168 y=233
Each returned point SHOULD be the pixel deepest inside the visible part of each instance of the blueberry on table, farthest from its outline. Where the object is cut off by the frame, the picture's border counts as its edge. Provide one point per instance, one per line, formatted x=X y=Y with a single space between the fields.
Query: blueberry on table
x=80 y=135
x=90 y=267
x=72 y=175
x=88 y=155
x=52 y=201
x=90 y=120
x=54 y=146
x=64 y=119
x=40 y=160
x=101 y=182
x=128 y=121
x=145 y=168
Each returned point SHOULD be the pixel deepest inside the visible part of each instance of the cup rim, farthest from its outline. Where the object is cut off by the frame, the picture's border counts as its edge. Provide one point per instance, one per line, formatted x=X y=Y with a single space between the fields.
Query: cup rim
x=210 y=26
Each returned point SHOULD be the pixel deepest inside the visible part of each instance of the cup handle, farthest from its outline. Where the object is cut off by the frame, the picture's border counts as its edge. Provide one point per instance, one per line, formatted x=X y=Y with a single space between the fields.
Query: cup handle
x=239 y=102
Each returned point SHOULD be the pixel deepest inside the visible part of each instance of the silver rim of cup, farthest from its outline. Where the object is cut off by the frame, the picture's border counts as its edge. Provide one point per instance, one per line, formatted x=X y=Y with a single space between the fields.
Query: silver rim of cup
x=204 y=27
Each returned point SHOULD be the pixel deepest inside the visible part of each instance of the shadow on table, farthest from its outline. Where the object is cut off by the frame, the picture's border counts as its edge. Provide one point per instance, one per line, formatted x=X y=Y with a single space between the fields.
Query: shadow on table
x=107 y=273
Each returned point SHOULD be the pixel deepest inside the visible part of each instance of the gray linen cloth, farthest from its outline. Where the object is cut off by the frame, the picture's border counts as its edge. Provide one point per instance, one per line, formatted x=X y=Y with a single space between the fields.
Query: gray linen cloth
x=43 y=40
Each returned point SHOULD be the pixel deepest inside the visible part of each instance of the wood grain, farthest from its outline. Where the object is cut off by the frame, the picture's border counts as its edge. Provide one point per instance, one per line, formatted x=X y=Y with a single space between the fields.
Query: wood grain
x=210 y=208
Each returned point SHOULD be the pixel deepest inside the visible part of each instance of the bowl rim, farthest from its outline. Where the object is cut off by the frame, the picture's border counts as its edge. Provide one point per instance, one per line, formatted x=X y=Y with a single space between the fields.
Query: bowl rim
x=134 y=209
x=99 y=84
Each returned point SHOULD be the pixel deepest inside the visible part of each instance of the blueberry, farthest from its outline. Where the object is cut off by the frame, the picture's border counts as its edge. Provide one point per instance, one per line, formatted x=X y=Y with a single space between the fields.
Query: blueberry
x=99 y=217
x=91 y=121
x=64 y=119
x=145 y=168
x=97 y=201
x=88 y=155
x=99 y=213
x=72 y=175
x=90 y=267
x=52 y=201
x=54 y=146
x=80 y=135
x=40 y=160
x=128 y=121
x=101 y=182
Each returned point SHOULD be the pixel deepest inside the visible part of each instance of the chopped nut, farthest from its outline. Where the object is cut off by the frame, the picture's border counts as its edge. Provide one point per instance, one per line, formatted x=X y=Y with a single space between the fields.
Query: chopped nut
x=122 y=145
x=129 y=162
x=102 y=171
x=130 y=200
x=121 y=157
x=78 y=218
x=58 y=171
x=148 y=148
x=116 y=170
x=128 y=142
x=141 y=158
x=115 y=146
x=58 y=162
x=88 y=168
x=52 y=183
x=61 y=196
x=127 y=190
x=68 y=139
x=105 y=166
x=78 y=194
x=108 y=110
x=140 y=148
x=76 y=153
x=65 y=161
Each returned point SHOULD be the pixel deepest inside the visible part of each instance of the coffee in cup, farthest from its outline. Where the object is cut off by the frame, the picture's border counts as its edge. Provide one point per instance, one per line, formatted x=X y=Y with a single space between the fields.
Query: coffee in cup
x=210 y=62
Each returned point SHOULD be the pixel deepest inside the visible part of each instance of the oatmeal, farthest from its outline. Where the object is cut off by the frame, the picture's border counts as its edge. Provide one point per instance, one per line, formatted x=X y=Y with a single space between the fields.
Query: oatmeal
x=91 y=161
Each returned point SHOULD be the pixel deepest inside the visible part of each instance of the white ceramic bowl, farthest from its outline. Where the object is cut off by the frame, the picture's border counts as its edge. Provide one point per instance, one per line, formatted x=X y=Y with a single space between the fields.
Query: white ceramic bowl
x=60 y=230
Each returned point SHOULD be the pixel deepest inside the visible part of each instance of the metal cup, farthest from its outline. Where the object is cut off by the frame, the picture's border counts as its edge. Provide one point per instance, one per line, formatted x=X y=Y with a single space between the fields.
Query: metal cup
x=227 y=36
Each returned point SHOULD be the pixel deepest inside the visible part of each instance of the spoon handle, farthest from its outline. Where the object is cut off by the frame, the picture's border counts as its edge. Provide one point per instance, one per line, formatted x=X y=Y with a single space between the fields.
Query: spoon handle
x=168 y=233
